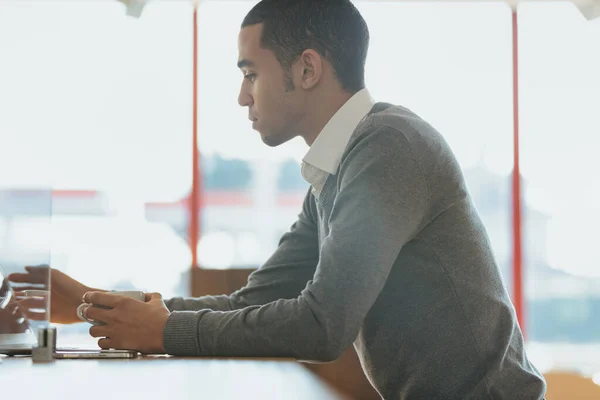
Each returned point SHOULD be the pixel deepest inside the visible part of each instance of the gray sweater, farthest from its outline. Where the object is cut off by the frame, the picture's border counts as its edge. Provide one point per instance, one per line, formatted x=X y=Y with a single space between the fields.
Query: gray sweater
x=392 y=258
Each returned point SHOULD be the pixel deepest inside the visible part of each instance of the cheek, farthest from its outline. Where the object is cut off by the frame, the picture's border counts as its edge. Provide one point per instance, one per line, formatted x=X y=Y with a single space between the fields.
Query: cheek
x=258 y=91
x=263 y=100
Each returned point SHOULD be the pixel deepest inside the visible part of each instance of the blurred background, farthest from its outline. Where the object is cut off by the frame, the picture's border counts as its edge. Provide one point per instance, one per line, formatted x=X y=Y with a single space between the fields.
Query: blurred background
x=98 y=107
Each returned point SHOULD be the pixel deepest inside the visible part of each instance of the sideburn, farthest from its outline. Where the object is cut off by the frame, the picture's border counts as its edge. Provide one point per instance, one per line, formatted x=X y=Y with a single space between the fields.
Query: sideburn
x=288 y=82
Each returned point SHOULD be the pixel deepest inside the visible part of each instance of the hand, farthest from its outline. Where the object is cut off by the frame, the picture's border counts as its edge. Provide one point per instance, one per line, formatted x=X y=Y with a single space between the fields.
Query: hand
x=11 y=317
x=11 y=320
x=33 y=304
x=130 y=324
x=65 y=294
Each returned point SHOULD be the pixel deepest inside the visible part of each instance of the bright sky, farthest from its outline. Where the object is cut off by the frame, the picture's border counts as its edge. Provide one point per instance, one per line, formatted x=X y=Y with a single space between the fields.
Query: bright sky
x=90 y=98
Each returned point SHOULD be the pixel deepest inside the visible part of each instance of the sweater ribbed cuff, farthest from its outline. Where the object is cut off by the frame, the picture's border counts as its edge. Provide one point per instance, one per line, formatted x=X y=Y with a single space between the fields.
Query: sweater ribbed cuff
x=180 y=337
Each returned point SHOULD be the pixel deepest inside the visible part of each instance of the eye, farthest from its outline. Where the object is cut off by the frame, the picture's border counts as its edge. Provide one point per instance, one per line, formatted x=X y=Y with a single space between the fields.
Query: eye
x=250 y=76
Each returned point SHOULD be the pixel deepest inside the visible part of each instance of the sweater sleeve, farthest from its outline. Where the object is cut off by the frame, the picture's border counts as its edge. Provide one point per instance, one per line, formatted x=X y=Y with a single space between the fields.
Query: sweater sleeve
x=380 y=206
x=283 y=276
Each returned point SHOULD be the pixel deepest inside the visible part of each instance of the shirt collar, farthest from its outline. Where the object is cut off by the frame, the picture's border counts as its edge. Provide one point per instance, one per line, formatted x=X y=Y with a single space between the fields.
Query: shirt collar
x=326 y=151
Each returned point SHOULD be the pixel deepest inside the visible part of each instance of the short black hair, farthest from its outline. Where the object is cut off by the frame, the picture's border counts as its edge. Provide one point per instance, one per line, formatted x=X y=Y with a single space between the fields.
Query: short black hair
x=333 y=28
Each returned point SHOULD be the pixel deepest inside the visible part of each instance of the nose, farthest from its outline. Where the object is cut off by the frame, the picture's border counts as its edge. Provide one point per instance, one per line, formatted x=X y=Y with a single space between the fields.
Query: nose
x=244 y=98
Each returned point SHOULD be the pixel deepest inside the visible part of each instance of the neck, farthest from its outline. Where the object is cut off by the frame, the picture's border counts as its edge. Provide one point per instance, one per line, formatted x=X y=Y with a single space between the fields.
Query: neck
x=321 y=111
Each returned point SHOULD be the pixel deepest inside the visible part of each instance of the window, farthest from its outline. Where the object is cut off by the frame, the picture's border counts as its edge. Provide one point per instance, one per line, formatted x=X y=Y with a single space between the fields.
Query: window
x=96 y=106
x=560 y=98
x=251 y=194
x=427 y=58
x=97 y=115
x=456 y=80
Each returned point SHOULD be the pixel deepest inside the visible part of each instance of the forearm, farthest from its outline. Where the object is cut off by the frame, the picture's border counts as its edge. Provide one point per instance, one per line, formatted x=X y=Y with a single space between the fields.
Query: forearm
x=283 y=276
x=258 y=331
x=216 y=303
x=277 y=279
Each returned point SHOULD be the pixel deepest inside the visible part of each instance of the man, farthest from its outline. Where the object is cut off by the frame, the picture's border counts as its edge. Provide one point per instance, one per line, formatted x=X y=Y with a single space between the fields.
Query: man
x=388 y=253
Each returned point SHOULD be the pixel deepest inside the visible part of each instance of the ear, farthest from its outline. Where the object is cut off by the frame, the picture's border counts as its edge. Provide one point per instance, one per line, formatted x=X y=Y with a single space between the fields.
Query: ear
x=310 y=65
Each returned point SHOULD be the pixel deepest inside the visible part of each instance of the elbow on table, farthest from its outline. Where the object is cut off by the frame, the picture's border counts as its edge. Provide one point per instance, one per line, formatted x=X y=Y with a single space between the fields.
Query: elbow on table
x=322 y=354
x=328 y=335
x=327 y=349
x=331 y=352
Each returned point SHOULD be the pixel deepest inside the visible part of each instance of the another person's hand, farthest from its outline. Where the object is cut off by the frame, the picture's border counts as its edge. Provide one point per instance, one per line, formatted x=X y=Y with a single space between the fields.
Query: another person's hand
x=33 y=304
x=65 y=295
x=11 y=317
x=130 y=324
x=11 y=320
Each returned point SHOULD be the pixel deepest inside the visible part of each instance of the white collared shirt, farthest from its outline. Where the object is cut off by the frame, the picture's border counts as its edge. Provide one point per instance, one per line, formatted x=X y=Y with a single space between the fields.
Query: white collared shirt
x=325 y=154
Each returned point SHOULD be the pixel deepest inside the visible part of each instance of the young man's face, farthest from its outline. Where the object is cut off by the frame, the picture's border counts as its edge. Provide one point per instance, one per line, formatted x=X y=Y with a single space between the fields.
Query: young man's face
x=274 y=106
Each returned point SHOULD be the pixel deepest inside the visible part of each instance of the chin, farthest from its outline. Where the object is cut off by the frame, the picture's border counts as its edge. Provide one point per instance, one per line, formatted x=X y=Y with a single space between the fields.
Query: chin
x=273 y=140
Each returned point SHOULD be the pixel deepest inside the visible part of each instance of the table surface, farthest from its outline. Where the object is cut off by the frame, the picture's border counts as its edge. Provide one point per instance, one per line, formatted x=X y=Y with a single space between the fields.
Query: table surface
x=161 y=377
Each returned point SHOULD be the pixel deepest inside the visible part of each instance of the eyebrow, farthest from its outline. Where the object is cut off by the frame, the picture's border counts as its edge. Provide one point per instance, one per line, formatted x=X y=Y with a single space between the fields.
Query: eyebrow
x=245 y=63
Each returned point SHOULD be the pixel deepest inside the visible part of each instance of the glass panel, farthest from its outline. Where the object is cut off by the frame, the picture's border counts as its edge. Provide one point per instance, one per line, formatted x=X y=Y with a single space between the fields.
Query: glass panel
x=560 y=98
x=25 y=240
x=15 y=332
x=97 y=105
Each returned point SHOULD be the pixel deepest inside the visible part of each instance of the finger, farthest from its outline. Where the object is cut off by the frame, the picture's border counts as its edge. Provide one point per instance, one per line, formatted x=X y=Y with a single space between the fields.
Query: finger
x=103 y=299
x=34 y=275
x=35 y=313
x=35 y=316
x=32 y=303
x=36 y=293
x=37 y=269
x=99 y=331
x=12 y=307
x=32 y=294
x=19 y=290
x=153 y=297
x=34 y=309
x=97 y=314
x=19 y=277
x=105 y=343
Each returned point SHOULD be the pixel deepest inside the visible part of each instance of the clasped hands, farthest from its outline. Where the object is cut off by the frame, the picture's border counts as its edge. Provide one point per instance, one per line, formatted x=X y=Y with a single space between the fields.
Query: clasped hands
x=128 y=324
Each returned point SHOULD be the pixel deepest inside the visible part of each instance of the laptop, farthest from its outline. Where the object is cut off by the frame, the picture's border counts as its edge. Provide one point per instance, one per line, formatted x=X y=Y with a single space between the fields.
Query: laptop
x=17 y=337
